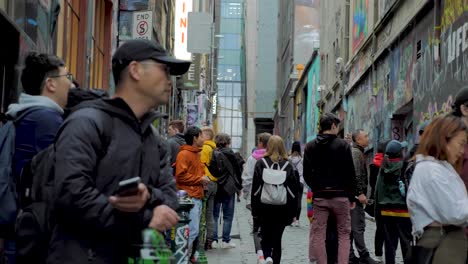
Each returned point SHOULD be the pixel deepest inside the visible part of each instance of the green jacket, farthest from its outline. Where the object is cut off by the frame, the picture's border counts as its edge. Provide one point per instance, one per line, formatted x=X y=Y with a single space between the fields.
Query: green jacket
x=387 y=192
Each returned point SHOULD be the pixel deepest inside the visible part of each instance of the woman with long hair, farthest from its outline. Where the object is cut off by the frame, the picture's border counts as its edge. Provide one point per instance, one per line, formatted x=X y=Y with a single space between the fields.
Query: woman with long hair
x=296 y=161
x=437 y=198
x=274 y=217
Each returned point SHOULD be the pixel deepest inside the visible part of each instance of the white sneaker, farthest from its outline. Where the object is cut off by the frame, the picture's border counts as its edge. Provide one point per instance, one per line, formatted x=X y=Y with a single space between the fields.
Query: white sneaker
x=261 y=261
x=229 y=244
x=379 y=259
x=214 y=244
x=268 y=260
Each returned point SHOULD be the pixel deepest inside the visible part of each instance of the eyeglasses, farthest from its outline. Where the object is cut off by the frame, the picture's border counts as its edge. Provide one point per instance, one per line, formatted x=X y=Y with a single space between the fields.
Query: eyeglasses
x=68 y=75
x=164 y=67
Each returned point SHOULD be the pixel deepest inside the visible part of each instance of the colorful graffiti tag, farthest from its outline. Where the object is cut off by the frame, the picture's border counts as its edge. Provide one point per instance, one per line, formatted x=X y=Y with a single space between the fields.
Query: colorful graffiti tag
x=452 y=11
x=360 y=16
x=312 y=116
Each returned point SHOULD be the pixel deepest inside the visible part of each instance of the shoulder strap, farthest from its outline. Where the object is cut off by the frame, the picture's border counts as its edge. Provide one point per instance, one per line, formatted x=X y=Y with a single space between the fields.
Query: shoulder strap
x=266 y=163
x=284 y=166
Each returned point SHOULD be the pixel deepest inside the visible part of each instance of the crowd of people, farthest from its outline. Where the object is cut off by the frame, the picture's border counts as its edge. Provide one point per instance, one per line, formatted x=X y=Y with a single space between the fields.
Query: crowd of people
x=66 y=154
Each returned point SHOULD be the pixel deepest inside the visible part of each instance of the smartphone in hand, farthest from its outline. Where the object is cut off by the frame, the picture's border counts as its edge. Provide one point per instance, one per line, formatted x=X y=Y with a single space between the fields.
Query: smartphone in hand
x=128 y=187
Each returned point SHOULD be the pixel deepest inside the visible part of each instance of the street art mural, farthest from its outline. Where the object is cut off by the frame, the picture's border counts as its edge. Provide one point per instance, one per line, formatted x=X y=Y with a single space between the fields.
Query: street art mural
x=360 y=17
x=422 y=67
x=441 y=71
x=359 y=105
x=312 y=111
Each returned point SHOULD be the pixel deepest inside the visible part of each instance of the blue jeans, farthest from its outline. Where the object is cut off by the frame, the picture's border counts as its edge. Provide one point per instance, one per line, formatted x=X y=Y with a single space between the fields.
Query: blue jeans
x=194 y=225
x=228 y=215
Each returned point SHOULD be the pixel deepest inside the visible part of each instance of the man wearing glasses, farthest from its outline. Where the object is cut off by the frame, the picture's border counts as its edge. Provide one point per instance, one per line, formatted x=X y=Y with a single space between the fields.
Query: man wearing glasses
x=38 y=113
x=109 y=141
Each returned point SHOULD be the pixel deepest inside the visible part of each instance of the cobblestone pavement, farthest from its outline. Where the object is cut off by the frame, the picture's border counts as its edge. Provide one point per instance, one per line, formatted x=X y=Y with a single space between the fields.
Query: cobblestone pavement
x=295 y=241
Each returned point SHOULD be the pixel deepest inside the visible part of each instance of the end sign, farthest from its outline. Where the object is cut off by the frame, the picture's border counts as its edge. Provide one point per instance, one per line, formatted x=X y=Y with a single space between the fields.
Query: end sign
x=142 y=25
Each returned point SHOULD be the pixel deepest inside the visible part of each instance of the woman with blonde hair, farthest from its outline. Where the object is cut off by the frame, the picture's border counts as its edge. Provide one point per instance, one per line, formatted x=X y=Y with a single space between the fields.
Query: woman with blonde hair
x=274 y=197
x=437 y=199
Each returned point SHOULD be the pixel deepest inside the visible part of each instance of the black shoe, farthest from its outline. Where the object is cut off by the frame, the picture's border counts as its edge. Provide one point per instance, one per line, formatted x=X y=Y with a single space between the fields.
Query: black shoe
x=353 y=259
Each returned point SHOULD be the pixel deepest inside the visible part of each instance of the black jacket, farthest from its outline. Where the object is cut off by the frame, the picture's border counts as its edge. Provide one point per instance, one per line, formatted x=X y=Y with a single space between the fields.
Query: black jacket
x=230 y=180
x=360 y=166
x=175 y=143
x=280 y=213
x=89 y=165
x=328 y=167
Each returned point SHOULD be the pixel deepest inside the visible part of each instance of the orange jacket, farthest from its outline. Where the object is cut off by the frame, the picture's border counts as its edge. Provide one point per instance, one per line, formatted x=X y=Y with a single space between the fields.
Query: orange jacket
x=190 y=171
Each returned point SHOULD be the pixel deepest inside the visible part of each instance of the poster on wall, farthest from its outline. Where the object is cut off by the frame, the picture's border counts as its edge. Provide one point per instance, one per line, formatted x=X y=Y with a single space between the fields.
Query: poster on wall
x=125 y=25
x=192 y=115
x=306 y=29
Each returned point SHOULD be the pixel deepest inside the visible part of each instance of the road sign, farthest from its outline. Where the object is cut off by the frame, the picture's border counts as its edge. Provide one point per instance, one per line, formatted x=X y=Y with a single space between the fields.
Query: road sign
x=142 y=25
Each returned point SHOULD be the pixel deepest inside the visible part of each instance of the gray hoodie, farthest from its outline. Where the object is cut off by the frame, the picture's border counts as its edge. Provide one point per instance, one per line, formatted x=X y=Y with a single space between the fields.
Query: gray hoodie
x=27 y=101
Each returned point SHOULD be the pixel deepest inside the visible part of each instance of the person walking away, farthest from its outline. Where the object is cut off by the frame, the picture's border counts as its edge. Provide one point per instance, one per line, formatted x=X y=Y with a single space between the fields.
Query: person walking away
x=358 y=220
x=105 y=142
x=37 y=118
x=333 y=186
x=296 y=161
x=437 y=199
x=176 y=138
x=373 y=210
x=229 y=183
x=274 y=216
x=210 y=189
x=190 y=177
x=391 y=201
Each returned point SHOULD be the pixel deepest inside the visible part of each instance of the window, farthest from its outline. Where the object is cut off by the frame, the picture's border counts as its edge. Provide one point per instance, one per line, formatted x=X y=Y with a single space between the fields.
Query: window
x=230 y=41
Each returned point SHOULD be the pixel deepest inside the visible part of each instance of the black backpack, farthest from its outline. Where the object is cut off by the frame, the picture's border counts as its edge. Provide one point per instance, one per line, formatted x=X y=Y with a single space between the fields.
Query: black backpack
x=35 y=189
x=217 y=162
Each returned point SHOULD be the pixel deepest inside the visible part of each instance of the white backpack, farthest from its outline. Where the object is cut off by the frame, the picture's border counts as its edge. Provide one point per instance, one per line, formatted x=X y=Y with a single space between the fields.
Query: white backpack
x=273 y=191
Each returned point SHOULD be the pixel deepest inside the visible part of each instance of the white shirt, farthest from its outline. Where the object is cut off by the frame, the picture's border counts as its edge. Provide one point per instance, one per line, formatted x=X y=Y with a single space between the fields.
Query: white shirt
x=436 y=194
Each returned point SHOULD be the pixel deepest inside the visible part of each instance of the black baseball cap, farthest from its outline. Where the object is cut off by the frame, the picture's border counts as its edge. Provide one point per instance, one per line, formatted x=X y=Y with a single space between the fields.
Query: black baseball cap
x=140 y=50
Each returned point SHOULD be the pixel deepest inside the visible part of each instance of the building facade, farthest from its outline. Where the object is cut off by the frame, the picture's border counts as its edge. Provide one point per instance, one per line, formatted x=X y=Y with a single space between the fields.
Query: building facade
x=58 y=27
x=230 y=71
x=405 y=64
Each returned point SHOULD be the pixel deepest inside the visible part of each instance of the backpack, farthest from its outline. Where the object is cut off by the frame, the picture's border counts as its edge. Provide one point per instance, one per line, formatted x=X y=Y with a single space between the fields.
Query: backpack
x=8 y=196
x=274 y=191
x=296 y=172
x=217 y=162
x=35 y=187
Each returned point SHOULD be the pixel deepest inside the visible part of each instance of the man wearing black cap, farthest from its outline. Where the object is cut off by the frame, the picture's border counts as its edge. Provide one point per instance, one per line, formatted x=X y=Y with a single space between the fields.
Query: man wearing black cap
x=460 y=109
x=108 y=141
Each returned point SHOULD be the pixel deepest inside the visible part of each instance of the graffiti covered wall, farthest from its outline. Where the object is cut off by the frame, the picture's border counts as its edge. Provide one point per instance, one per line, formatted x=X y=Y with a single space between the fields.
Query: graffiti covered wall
x=438 y=76
x=312 y=116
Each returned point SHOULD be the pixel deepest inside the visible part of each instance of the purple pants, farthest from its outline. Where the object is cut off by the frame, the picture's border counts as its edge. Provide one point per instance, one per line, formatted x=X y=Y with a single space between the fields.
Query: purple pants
x=340 y=208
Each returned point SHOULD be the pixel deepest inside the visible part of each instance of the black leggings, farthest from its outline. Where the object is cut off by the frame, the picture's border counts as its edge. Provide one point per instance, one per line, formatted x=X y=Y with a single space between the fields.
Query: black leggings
x=299 y=201
x=272 y=233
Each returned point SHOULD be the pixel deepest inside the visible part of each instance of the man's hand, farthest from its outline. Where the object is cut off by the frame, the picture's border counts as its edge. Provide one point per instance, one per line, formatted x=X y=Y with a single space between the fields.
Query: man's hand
x=205 y=180
x=133 y=203
x=362 y=199
x=352 y=205
x=163 y=218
